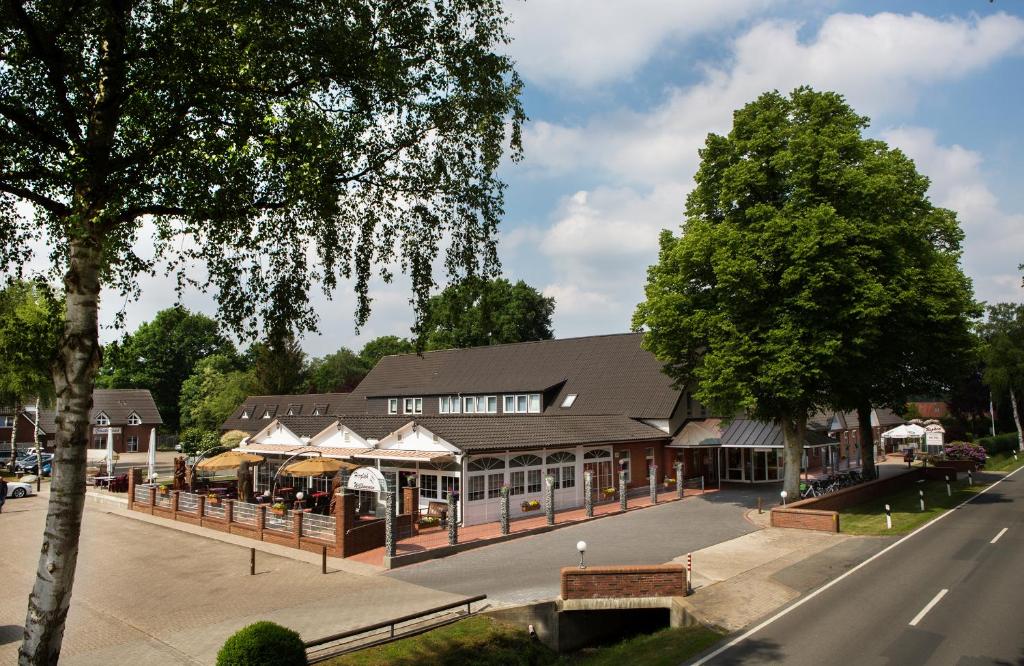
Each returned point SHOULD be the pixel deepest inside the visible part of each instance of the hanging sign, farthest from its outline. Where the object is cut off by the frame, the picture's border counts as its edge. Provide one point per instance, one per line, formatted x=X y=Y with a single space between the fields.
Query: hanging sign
x=933 y=438
x=368 y=479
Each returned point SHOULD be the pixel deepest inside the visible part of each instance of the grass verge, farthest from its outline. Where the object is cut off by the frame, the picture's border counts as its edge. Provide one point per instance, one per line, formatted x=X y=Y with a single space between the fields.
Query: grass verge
x=1003 y=462
x=868 y=518
x=479 y=640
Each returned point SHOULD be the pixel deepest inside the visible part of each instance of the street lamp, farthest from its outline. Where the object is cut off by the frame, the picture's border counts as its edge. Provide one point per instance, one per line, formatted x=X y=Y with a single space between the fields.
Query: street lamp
x=582 y=547
x=784 y=496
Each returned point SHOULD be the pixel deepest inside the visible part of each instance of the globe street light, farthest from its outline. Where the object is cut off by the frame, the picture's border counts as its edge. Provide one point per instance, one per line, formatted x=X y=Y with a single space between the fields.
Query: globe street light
x=582 y=547
x=784 y=496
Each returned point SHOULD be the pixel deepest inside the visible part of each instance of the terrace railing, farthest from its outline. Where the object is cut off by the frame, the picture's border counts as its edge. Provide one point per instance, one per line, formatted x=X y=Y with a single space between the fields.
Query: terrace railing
x=188 y=503
x=244 y=513
x=281 y=523
x=142 y=493
x=318 y=527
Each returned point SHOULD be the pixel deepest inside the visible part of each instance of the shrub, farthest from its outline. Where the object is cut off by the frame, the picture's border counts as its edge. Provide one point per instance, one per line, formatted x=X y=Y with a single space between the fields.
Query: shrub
x=965 y=451
x=263 y=644
x=1003 y=443
x=196 y=440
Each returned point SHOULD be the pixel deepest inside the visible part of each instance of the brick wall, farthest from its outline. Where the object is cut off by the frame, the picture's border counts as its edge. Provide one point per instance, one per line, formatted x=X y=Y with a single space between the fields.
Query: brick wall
x=665 y=580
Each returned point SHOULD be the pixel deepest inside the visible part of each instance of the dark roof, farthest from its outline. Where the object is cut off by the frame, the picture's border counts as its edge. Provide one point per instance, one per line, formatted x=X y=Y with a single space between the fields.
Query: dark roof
x=750 y=432
x=303 y=426
x=117 y=404
x=302 y=405
x=367 y=427
x=517 y=432
x=610 y=374
x=887 y=417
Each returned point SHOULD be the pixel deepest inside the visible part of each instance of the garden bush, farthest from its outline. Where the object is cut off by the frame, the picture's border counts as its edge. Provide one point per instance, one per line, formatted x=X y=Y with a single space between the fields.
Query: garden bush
x=1003 y=443
x=964 y=451
x=263 y=644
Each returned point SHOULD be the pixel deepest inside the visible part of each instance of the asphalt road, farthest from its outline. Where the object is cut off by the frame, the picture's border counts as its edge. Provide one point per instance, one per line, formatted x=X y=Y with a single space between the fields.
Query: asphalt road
x=947 y=595
x=527 y=569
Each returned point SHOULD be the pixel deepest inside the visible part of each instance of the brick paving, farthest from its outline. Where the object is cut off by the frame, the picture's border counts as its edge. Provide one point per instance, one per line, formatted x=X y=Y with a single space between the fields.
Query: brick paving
x=148 y=594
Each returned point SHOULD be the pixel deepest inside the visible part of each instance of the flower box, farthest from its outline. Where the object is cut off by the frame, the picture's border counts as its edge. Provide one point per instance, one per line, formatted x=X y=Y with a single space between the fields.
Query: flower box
x=429 y=521
x=213 y=500
x=532 y=505
x=608 y=492
x=164 y=490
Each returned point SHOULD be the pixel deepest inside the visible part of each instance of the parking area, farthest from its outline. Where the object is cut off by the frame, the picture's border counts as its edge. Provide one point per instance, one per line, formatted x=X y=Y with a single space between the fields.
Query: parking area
x=148 y=594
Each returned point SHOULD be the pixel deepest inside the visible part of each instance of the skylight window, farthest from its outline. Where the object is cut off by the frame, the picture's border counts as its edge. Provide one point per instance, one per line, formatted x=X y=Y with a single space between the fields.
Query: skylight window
x=569 y=399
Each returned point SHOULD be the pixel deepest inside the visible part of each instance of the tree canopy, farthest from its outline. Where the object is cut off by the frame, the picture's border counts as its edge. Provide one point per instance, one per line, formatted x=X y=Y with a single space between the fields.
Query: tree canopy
x=1002 y=349
x=259 y=149
x=31 y=319
x=337 y=372
x=777 y=291
x=385 y=345
x=161 y=354
x=478 y=312
x=215 y=388
x=279 y=366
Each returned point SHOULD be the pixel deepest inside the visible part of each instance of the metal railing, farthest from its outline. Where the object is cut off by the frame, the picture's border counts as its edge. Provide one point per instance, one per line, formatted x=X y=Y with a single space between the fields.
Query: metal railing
x=387 y=636
x=317 y=526
x=244 y=513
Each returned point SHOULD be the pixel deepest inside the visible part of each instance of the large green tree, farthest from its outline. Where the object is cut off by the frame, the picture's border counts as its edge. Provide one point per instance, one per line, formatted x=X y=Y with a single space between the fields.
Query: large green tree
x=215 y=389
x=280 y=366
x=385 y=345
x=477 y=312
x=260 y=148
x=161 y=354
x=337 y=372
x=1002 y=350
x=777 y=290
x=31 y=319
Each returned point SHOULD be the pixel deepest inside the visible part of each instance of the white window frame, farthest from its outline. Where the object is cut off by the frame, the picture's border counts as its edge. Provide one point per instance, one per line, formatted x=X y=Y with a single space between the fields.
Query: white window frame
x=523 y=403
x=102 y=419
x=134 y=419
x=429 y=493
x=469 y=404
x=539 y=406
x=6 y=421
x=492 y=404
x=392 y=405
x=132 y=444
x=416 y=403
x=510 y=404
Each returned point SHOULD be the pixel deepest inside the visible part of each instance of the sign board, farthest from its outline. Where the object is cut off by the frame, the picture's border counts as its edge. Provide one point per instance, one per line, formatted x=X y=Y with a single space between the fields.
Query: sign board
x=104 y=430
x=933 y=438
x=367 y=479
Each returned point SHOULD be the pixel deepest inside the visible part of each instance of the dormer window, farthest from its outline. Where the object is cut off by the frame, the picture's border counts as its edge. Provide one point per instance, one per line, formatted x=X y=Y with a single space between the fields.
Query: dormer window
x=569 y=399
x=134 y=420
x=412 y=406
x=266 y=413
x=245 y=414
x=102 y=419
x=295 y=410
x=318 y=410
x=526 y=403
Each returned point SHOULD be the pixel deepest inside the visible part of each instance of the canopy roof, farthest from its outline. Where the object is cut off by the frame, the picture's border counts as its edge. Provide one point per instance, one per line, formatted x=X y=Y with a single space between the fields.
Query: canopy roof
x=906 y=431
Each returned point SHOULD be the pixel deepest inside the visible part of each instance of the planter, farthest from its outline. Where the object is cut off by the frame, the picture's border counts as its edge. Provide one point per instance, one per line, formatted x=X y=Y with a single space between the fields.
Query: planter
x=213 y=501
x=165 y=492
x=277 y=512
x=608 y=493
x=530 y=506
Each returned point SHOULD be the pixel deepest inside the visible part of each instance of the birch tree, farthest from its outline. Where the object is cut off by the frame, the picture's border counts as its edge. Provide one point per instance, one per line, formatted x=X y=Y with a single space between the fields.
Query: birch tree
x=1002 y=335
x=253 y=149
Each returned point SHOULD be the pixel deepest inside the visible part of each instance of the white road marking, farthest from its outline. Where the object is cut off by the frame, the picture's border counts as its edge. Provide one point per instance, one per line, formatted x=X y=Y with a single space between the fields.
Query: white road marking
x=786 y=611
x=1001 y=533
x=931 y=604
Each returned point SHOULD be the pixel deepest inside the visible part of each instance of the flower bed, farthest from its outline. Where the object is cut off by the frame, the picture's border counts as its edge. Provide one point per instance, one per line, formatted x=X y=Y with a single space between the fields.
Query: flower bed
x=964 y=451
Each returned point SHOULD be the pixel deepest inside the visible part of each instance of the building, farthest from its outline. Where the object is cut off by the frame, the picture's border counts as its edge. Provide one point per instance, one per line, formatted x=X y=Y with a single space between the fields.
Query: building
x=129 y=414
x=844 y=427
x=474 y=420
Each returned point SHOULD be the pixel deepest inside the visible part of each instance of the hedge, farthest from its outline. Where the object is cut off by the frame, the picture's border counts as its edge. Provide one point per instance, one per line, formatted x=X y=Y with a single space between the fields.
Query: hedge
x=263 y=644
x=1005 y=442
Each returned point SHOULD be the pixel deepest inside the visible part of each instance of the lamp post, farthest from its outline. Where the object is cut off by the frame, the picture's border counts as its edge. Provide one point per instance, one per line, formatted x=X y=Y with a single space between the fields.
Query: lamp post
x=784 y=495
x=582 y=547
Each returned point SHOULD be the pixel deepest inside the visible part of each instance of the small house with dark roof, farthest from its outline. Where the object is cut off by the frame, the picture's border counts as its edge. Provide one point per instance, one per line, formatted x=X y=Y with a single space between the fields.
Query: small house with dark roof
x=130 y=415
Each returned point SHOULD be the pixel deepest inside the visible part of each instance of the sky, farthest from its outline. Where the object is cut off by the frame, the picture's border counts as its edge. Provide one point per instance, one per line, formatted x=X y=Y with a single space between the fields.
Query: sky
x=621 y=95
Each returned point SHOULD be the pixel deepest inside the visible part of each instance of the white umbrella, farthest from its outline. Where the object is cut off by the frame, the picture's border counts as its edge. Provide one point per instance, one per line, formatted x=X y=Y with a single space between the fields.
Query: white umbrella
x=152 y=455
x=110 y=451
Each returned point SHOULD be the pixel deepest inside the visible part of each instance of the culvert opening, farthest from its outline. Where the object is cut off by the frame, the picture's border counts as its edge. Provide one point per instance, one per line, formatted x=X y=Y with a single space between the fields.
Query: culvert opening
x=605 y=627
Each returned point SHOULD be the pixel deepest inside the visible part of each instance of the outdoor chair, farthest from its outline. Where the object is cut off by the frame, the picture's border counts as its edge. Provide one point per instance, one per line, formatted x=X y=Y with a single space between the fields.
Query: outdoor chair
x=438 y=510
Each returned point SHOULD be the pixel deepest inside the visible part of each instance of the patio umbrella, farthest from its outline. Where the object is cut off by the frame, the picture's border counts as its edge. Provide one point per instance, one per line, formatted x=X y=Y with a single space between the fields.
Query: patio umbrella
x=314 y=466
x=110 y=451
x=228 y=460
x=152 y=455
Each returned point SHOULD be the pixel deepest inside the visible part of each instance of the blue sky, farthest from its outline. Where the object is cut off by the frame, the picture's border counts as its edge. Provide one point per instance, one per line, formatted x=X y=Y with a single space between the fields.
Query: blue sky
x=622 y=94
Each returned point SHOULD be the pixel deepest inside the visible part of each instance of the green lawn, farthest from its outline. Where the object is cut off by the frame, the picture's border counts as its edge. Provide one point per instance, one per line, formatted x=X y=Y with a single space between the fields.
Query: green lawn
x=1003 y=462
x=868 y=518
x=479 y=640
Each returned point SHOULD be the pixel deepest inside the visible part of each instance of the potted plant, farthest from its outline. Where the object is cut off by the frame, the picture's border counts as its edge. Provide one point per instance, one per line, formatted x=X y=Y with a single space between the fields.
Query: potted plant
x=669 y=482
x=213 y=499
x=278 y=508
x=164 y=490
x=529 y=505
x=429 y=521
x=608 y=492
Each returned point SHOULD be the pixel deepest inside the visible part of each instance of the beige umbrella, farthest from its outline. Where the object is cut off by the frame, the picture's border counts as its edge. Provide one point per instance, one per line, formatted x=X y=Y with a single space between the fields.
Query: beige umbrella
x=228 y=460
x=314 y=466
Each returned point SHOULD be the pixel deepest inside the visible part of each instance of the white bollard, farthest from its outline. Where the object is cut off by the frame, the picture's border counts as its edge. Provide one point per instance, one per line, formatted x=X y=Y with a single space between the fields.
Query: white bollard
x=888 y=517
x=970 y=478
x=921 y=494
x=949 y=491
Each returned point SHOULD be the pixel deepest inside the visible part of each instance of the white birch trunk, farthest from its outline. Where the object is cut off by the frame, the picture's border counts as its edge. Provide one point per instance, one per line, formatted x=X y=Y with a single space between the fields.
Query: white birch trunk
x=1016 y=420
x=14 y=434
x=74 y=373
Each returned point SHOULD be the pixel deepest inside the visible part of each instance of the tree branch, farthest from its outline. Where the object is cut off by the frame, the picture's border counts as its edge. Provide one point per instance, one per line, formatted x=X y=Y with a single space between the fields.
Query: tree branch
x=43 y=202
x=51 y=56
x=29 y=122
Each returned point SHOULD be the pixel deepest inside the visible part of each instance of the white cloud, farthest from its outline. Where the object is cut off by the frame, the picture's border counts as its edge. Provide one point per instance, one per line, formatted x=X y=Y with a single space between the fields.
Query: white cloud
x=601 y=240
x=994 y=237
x=585 y=43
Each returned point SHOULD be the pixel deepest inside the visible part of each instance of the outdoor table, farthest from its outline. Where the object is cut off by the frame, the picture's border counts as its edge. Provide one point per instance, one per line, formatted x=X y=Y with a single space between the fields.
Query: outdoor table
x=100 y=481
x=286 y=491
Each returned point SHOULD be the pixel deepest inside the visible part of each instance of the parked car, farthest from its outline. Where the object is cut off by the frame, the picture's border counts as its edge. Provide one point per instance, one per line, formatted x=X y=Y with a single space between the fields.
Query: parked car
x=30 y=462
x=17 y=489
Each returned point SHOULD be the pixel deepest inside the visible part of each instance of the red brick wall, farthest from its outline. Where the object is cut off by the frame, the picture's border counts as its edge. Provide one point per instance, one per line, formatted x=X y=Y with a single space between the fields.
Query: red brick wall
x=638 y=462
x=805 y=519
x=121 y=438
x=665 y=580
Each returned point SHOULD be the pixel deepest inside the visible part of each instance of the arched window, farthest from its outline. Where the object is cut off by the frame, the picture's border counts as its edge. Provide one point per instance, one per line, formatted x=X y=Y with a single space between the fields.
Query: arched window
x=526 y=460
x=594 y=454
x=481 y=464
x=561 y=465
x=525 y=480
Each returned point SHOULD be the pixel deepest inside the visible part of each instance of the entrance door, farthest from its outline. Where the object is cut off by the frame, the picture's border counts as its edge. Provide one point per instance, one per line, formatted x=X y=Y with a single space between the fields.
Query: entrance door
x=601 y=473
x=760 y=466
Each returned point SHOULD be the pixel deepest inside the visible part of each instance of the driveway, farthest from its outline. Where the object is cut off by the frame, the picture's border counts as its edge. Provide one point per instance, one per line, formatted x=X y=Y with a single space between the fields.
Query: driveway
x=149 y=594
x=527 y=569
